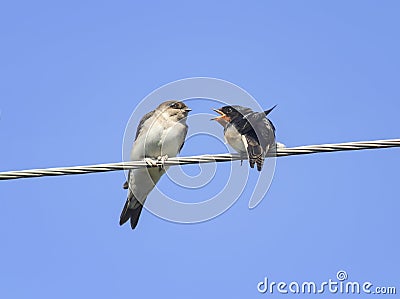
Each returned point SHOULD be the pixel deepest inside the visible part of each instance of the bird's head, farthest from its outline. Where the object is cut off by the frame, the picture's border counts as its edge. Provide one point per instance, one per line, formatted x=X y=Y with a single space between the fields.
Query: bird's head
x=228 y=114
x=173 y=109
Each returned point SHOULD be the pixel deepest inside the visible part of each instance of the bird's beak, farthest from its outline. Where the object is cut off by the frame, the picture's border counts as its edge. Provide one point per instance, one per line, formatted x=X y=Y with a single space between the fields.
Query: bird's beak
x=188 y=109
x=222 y=116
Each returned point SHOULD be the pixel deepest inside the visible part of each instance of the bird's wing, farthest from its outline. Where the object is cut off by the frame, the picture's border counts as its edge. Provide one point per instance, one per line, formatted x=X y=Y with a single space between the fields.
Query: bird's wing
x=271 y=124
x=142 y=121
x=258 y=117
x=184 y=137
x=266 y=112
x=262 y=127
x=138 y=131
x=265 y=132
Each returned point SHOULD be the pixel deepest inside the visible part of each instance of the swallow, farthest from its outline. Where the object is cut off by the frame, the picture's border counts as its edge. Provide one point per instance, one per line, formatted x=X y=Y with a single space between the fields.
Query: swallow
x=250 y=133
x=160 y=134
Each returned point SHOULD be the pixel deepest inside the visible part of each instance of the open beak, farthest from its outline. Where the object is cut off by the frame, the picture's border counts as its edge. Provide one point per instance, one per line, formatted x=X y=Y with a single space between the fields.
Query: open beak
x=222 y=116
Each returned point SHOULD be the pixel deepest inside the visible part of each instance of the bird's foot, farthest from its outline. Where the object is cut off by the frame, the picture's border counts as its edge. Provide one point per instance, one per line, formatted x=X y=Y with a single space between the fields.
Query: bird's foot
x=162 y=159
x=242 y=157
x=280 y=145
x=150 y=162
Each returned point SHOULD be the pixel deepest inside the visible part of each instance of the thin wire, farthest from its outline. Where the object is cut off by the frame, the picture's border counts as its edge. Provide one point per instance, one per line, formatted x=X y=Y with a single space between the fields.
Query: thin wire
x=280 y=152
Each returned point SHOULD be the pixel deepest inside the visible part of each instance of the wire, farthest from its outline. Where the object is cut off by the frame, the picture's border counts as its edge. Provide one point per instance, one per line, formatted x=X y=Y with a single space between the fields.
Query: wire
x=280 y=152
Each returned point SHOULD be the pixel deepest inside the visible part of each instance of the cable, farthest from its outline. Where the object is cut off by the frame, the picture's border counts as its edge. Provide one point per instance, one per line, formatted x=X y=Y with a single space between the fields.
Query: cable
x=280 y=152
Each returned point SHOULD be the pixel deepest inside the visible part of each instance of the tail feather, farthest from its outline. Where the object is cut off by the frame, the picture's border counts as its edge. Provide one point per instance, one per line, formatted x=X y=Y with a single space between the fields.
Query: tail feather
x=131 y=213
x=135 y=214
x=254 y=151
x=255 y=156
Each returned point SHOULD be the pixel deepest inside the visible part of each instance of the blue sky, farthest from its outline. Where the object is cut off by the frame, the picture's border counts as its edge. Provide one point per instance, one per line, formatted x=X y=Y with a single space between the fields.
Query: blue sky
x=71 y=74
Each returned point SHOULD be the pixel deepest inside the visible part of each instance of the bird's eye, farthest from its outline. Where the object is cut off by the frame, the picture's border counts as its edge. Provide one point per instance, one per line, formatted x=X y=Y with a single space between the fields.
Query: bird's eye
x=174 y=105
x=229 y=110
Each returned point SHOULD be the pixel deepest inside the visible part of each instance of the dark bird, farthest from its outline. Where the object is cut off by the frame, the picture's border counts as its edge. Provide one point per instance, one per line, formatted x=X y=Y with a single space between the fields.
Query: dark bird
x=161 y=134
x=250 y=133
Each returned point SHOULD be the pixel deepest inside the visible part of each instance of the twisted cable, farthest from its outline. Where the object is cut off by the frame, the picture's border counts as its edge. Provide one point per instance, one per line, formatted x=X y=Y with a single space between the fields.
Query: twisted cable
x=280 y=152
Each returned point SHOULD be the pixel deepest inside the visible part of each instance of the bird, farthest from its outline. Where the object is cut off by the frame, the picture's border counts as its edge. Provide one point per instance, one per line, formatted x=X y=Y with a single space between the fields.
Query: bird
x=250 y=133
x=161 y=133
